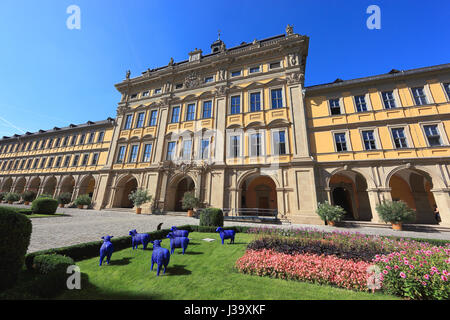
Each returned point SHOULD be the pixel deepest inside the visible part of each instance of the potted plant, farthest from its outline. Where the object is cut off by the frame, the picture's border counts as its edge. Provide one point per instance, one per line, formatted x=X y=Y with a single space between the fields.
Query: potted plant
x=2 y=196
x=139 y=197
x=189 y=203
x=28 y=196
x=82 y=200
x=64 y=198
x=396 y=213
x=12 y=197
x=329 y=213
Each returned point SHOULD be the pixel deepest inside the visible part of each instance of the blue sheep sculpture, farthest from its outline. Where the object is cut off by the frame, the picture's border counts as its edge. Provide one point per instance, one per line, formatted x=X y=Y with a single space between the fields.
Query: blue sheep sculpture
x=179 y=233
x=138 y=238
x=106 y=249
x=226 y=234
x=160 y=256
x=177 y=242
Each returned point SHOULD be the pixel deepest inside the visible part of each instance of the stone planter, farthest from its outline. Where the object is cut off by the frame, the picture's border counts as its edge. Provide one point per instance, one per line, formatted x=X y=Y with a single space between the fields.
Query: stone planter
x=27 y=203
x=61 y=205
x=331 y=223
x=397 y=226
x=10 y=202
x=138 y=210
x=190 y=213
x=80 y=206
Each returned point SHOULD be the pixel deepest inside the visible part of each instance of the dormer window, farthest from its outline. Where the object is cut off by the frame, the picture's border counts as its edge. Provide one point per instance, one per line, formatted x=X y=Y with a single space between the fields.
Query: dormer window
x=158 y=91
x=274 y=65
x=133 y=96
x=145 y=93
x=209 y=79
x=254 y=69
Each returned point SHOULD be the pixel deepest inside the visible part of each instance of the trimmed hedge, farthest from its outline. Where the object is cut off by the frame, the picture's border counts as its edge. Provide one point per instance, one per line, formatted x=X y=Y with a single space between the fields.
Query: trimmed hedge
x=44 y=206
x=91 y=249
x=15 y=233
x=211 y=217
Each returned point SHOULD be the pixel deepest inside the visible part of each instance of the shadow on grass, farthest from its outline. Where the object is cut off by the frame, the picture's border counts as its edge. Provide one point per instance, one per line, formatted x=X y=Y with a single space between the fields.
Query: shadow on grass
x=89 y=291
x=177 y=270
x=121 y=262
x=193 y=253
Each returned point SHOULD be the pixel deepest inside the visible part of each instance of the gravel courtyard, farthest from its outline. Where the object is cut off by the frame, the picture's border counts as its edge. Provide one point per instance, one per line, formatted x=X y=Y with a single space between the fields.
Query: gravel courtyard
x=78 y=226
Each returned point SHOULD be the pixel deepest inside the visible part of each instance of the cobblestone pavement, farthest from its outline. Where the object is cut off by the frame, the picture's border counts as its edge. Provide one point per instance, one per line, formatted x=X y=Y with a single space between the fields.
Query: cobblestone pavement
x=80 y=226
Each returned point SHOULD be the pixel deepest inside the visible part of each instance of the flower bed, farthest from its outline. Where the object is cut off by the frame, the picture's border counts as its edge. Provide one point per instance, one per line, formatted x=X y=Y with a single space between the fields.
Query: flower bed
x=422 y=274
x=321 y=269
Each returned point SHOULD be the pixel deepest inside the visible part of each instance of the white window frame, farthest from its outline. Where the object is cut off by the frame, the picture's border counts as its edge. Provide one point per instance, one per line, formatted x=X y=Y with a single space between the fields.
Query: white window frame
x=341 y=106
x=272 y=144
x=262 y=132
x=254 y=66
x=278 y=61
x=441 y=129
x=137 y=153
x=376 y=136
x=348 y=142
x=261 y=96
x=230 y=145
x=240 y=103
x=125 y=121
x=283 y=97
x=366 y=98
x=395 y=95
x=118 y=153
x=443 y=89
x=175 y=150
x=240 y=73
x=195 y=111
x=409 y=141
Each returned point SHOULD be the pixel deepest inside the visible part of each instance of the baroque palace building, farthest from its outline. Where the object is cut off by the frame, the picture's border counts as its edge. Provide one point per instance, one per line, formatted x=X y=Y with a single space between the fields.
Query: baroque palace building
x=238 y=127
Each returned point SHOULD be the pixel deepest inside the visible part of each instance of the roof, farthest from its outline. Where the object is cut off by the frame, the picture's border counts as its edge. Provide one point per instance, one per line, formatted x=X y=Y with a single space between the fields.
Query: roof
x=71 y=127
x=393 y=74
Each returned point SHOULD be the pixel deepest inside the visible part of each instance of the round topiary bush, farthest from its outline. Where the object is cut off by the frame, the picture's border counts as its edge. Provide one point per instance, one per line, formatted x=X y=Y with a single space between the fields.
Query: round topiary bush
x=83 y=200
x=330 y=213
x=29 y=196
x=15 y=232
x=44 y=206
x=211 y=217
x=12 y=197
x=64 y=198
x=395 y=212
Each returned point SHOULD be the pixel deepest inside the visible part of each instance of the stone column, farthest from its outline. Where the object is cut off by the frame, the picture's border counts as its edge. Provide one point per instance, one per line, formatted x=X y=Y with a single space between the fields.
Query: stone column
x=442 y=198
x=220 y=143
x=374 y=199
x=161 y=132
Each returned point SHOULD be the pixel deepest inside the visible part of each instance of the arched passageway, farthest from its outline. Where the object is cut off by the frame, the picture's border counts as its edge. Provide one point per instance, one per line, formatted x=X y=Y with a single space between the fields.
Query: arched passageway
x=87 y=186
x=34 y=185
x=20 y=186
x=124 y=188
x=349 y=191
x=67 y=185
x=7 y=185
x=413 y=187
x=50 y=186
x=185 y=185
x=258 y=194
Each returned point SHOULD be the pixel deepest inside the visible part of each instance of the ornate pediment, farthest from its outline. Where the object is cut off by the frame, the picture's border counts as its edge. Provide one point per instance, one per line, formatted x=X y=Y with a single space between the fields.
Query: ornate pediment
x=192 y=80
x=294 y=77
x=122 y=109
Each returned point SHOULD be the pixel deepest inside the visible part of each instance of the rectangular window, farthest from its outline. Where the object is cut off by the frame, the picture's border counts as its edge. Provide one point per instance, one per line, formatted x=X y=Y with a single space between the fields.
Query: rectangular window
x=236 y=73
x=30 y=143
x=101 y=136
x=140 y=120
x=58 y=162
x=43 y=143
x=145 y=93
x=75 y=160
x=187 y=146
x=128 y=120
x=207 y=106
x=399 y=138
x=255 y=145
x=335 y=108
x=369 y=140
x=277 y=99
x=35 y=164
x=57 y=143
x=341 y=144
x=170 y=150
x=121 y=154
x=254 y=69
x=209 y=79
x=190 y=112
x=175 y=114
x=235 y=104
x=153 y=117
x=16 y=164
x=74 y=140
x=94 y=159
x=157 y=91
x=67 y=161
x=82 y=138
x=29 y=164
x=50 y=162
x=84 y=162
x=133 y=96
x=255 y=101
x=279 y=142
x=133 y=153
x=50 y=143
x=65 y=141
x=147 y=153
x=447 y=90
x=433 y=136
x=275 y=65
x=204 y=149
x=361 y=105
x=22 y=164
x=419 y=96
x=91 y=137
x=388 y=99
x=178 y=86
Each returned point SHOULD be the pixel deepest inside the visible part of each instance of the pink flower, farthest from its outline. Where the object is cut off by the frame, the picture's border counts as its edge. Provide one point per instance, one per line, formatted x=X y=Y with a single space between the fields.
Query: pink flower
x=403 y=275
x=444 y=278
x=426 y=276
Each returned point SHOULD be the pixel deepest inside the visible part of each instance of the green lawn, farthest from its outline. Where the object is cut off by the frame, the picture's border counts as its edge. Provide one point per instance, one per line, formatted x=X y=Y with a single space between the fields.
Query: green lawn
x=206 y=271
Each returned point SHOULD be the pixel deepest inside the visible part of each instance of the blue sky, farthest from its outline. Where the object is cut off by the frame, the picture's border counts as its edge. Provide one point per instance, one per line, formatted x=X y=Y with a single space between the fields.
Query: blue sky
x=53 y=76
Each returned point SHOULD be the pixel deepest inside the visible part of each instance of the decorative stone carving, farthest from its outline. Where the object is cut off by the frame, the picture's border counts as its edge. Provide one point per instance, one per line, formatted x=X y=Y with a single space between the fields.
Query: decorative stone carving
x=294 y=77
x=171 y=62
x=293 y=59
x=167 y=87
x=122 y=109
x=192 y=80
x=128 y=74
x=221 y=90
x=221 y=75
x=289 y=30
